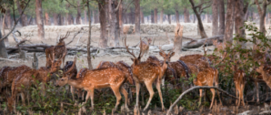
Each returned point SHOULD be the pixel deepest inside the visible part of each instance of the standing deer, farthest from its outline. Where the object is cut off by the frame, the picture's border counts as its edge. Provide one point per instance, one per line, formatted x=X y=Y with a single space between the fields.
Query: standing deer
x=58 y=51
x=207 y=77
x=239 y=82
x=111 y=77
x=144 y=46
x=147 y=73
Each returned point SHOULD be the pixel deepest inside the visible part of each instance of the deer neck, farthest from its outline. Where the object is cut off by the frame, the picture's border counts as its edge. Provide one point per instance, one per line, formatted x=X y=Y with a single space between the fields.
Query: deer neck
x=75 y=83
x=164 y=67
x=265 y=76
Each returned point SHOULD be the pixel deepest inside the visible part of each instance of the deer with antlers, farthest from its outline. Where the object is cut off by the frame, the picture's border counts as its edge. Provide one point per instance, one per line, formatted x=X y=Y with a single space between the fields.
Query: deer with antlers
x=148 y=73
x=60 y=51
x=111 y=77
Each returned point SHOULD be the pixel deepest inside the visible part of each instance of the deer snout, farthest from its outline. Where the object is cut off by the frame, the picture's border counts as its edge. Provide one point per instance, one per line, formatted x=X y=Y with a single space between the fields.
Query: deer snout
x=166 y=62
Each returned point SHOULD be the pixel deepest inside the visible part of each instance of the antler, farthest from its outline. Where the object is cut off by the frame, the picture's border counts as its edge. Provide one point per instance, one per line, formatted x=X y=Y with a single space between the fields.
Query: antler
x=139 y=56
x=128 y=48
x=53 y=56
x=64 y=37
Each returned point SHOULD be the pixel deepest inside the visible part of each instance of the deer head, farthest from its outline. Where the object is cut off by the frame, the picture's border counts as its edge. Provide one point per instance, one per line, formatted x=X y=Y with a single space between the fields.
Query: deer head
x=135 y=59
x=149 y=40
x=68 y=72
x=62 y=81
x=55 y=65
x=166 y=56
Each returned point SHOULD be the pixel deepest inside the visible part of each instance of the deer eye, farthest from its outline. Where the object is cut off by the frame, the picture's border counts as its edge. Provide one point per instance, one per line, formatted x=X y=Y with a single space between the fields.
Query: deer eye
x=62 y=79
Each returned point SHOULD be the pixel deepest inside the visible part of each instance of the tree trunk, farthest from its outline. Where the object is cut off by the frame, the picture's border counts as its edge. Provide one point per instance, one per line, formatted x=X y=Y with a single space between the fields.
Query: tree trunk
x=3 y=51
x=229 y=21
x=103 y=24
x=162 y=16
x=8 y=18
x=221 y=17
x=47 y=18
x=39 y=19
x=186 y=15
x=78 y=15
x=89 y=37
x=23 y=16
x=60 y=19
x=240 y=20
x=194 y=18
x=177 y=16
x=114 y=25
x=142 y=17
x=137 y=16
x=169 y=18
x=55 y=19
x=3 y=28
x=152 y=16
x=215 y=17
x=120 y=18
x=155 y=15
x=200 y=26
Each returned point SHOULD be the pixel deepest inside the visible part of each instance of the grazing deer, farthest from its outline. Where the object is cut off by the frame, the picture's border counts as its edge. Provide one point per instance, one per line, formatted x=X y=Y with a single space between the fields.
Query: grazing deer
x=111 y=77
x=58 y=51
x=207 y=77
x=105 y=64
x=22 y=83
x=148 y=73
x=239 y=82
x=71 y=72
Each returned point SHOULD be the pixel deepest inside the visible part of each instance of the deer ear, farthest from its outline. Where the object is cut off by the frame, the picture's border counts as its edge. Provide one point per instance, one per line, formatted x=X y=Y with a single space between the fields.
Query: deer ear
x=161 y=53
x=172 y=54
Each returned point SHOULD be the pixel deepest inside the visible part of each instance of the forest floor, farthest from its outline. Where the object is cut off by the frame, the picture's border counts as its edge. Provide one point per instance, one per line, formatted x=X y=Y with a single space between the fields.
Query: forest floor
x=132 y=40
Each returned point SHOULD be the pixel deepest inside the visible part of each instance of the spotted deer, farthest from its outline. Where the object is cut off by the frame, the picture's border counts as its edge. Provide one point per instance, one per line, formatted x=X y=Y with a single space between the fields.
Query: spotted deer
x=23 y=82
x=111 y=77
x=207 y=77
x=239 y=82
x=147 y=73
x=71 y=72
x=58 y=51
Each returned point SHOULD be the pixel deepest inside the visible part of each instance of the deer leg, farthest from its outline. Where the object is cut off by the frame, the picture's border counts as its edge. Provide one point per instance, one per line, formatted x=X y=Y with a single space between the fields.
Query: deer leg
x=118 y=96
x=200 y=96
x=23 y=99
x=213 y=98
x=257 y=92
x=92 y=98
x=124 y=92
x=137 y=93
x=242 y=94
x=150 y=89
x=158 y=84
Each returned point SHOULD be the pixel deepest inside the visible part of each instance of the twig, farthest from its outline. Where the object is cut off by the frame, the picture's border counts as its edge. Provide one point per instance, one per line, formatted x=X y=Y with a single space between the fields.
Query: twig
x=16 y=22
x=75 y=36
x=193 y=88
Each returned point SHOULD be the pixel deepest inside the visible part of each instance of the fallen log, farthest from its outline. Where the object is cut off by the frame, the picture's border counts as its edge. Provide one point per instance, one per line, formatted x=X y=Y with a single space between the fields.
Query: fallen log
x=195 y=43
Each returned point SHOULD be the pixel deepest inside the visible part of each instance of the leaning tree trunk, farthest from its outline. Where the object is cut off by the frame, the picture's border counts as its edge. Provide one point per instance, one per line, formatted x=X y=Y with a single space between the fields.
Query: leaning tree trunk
x=186 y=15
x=89 y=37
x=78 y=15
x=137 y=16
x=162 y=16
x=201 y=28
x=221 y=17
x=103 y=24
x=169 y=18
x=177 y=16
x=229 y=21
x=23 y=16
x=155 y=15
x=39 y=19
x=3 y=51
x=215 y=17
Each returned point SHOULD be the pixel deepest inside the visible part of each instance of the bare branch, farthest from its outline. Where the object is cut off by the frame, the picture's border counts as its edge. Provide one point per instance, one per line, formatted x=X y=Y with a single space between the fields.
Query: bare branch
x=116 y=9
x=16 y=22
x=75 y=36
x=201 y=4
x=259 y=7
x=193 y=88
x=14 y=37
x=125 y=9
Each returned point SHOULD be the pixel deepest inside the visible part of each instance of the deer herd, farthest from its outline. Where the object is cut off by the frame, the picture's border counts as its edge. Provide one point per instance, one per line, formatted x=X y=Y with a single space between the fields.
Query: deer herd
x=115 y=75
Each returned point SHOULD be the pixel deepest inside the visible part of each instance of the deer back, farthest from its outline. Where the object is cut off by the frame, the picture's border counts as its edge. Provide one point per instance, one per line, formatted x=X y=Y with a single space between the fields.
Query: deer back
x=105 y=64
x=126 y=70
x=14 y=73
x=191 y=58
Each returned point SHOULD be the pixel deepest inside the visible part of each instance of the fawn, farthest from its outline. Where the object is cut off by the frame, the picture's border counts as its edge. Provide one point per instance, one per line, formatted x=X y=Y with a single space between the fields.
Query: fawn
x=111 y=77
x=148 y=73
x=239 y=82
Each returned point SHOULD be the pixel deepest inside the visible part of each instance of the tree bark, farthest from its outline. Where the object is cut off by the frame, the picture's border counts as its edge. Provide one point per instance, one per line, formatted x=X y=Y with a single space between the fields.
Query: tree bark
x=215 y=17
x=262 y=13
x=47 y=18
x=240 y=20
x=78 y=15
x=162 y=16
x=3 y=51
x=152 y=16
x=142 y=17
x=102 y=15
x=137 y=16
x=60 y=19
x=3 y=28
x=186 y=15
x=177 y=16
x=39 y=19
x=169 y=18
x=89 y=37
x=221 y=17
x=155 y=15
x=96 y=16
x=8 y=19
x=114 y=25
x=229 y=21
x=23 y=17
x=120 y=18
